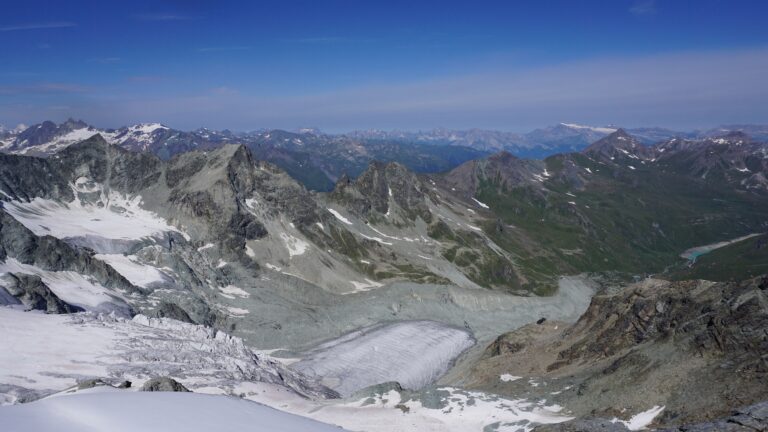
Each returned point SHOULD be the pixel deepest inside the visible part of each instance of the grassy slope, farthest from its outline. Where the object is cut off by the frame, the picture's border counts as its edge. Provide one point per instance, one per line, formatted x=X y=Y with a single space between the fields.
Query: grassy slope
x=626 y=220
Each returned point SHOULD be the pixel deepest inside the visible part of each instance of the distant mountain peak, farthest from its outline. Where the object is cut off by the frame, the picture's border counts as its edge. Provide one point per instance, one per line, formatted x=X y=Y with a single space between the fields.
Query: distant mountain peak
x=503 y=157
x=733 y=136
x=618 y=145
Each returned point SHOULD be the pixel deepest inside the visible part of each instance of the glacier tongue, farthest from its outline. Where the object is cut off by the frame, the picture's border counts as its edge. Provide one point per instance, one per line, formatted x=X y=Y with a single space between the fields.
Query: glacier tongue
x=412 y=353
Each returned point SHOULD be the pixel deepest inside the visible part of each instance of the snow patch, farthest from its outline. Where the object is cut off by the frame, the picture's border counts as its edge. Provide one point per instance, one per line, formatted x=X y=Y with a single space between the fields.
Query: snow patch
x=121 y=218
x=377 y=239
x=339 y=216
x=483 y=205
x=207 y=246
x=641 y=420
x=364 y=286
x=238 y=311
x=294 y=245
x=233 y=290
x=138 y=274
x=604 y=130
x=509 y=378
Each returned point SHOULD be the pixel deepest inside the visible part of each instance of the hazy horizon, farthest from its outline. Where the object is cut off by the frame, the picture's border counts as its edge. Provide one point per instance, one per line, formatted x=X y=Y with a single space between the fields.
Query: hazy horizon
x=390 y=130
x=342 y=66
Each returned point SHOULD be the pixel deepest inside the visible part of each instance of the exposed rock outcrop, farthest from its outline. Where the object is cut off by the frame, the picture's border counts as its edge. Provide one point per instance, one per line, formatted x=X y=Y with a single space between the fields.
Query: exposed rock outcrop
x=34 y=294
x=163 y=384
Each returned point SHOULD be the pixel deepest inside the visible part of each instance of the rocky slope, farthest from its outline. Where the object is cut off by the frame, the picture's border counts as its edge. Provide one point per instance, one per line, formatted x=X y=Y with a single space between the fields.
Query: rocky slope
x=655 y=343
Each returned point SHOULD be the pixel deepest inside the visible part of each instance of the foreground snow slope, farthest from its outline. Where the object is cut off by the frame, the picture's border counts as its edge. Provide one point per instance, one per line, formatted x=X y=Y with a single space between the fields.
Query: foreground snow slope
x=125 y=411
x=44 y=354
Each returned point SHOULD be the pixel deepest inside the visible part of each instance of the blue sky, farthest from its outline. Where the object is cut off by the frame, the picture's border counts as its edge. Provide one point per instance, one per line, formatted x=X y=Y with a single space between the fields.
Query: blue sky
x=342 y=65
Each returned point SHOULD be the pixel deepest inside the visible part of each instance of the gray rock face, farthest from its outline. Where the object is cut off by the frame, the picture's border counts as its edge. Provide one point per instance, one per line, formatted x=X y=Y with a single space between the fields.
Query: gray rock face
x=163 y=384
x=750 y=419
x=173 y=311
x=583 y=425
x=91 y=383
x=110 y=165
x=34 y=294
x=373 y=189
x=502 y=169
x=18 y=183
x=50 y=253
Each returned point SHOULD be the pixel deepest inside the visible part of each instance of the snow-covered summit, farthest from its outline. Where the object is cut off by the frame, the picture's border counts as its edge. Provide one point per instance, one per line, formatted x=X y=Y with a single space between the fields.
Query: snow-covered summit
x=605 y=130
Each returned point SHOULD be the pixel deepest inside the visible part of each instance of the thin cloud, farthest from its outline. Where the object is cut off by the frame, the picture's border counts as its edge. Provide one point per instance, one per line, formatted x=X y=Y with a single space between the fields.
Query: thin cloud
x=146 y=78
x=223 y=48
x=42 y=88
x=163 y=17
x=320 y=39
x=106 y=60
x=725 y=87
x=696 y=89
x=643 y=7
x=37 y=26
x=329 y=40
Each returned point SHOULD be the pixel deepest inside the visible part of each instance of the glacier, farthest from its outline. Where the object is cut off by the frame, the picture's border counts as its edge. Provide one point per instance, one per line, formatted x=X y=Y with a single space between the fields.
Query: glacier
x=412 y=353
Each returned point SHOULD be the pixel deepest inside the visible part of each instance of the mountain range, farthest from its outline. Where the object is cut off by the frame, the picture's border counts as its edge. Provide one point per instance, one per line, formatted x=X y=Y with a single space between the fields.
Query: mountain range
x=413 y=284
x=318 y=160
